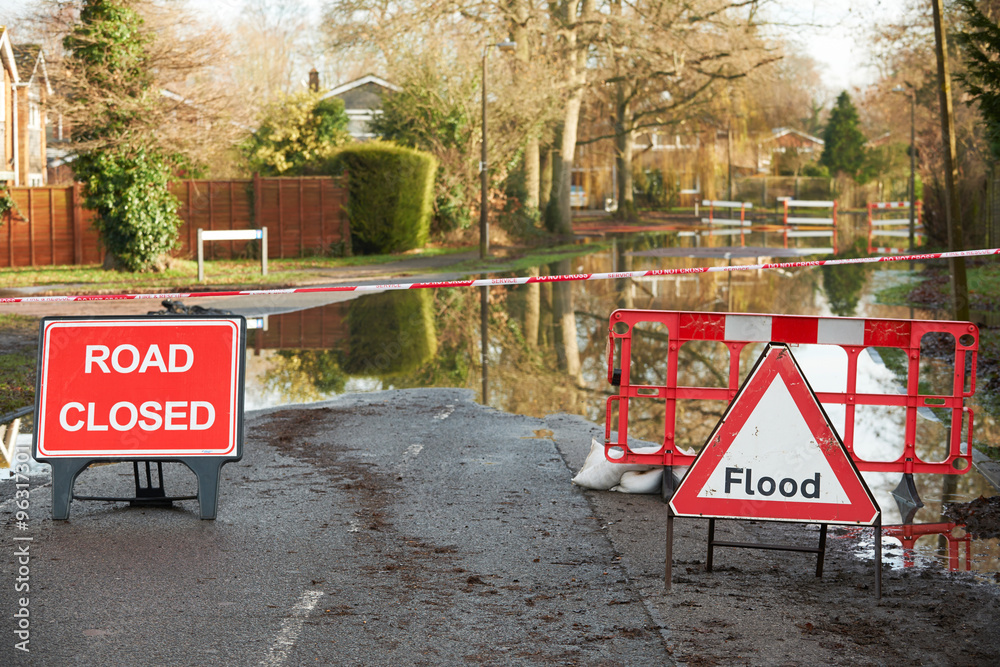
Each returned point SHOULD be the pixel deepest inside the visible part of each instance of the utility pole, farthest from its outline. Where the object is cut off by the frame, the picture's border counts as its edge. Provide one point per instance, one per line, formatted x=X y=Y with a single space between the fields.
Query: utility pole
x=956 y=242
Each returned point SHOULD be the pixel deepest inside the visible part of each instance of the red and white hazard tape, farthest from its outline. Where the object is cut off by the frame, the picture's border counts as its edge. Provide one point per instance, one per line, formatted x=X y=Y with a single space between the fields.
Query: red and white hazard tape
x=492 y=282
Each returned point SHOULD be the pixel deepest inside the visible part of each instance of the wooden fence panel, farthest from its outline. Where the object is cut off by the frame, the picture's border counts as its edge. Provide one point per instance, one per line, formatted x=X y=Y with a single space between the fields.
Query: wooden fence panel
x=304 y=216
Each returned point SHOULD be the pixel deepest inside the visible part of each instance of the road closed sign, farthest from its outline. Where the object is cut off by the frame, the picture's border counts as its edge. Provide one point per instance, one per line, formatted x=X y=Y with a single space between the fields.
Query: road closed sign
x=140 y=387
x=775 y=455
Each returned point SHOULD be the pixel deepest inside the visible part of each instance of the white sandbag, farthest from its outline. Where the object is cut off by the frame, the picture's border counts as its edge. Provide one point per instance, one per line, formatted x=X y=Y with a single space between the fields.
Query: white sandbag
x=601 y=474
x=647 y=481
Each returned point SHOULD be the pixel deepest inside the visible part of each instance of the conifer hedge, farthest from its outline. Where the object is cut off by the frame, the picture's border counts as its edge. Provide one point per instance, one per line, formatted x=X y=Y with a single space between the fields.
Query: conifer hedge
x=391 y=196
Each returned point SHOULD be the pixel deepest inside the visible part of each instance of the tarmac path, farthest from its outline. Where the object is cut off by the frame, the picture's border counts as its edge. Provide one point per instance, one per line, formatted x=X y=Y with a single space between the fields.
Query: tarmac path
x=417 y=527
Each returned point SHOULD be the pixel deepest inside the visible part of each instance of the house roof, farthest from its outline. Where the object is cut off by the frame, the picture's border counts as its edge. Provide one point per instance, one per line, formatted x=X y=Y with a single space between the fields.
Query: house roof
x=31 y=63
x=7 y=53
x=366 y=80
x=780 y=132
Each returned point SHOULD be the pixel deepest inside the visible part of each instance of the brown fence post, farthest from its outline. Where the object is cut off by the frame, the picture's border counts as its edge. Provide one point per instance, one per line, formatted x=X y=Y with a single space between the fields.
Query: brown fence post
x=52 y=227
x=31 y=226
x=258 y=204
x=345 y=228
x=10 y=238
x=302 y=195
x=256 y=201
x=190 y=218
x=324 y=246
x=281 y=220
x=232 y=218
x=211 y=211
x=77 y=225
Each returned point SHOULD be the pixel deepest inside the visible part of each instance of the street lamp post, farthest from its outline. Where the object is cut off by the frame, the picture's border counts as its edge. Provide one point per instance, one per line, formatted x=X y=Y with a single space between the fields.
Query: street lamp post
x=484 y=221
x=913 y=159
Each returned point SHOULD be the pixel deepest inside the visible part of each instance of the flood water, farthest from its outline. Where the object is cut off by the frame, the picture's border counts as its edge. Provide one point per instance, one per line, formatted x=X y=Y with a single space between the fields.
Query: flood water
x=546 y=353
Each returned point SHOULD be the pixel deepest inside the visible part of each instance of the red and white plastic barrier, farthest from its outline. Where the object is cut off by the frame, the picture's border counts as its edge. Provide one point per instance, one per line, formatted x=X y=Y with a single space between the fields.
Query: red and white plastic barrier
x=735 y=331
x=730 y=226
x=892 y=227
x=793 y=223
x=493 y=282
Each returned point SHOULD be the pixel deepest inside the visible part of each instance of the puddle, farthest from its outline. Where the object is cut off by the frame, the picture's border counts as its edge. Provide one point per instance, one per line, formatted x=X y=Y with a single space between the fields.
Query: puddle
x=546 y=348
x=546 y=353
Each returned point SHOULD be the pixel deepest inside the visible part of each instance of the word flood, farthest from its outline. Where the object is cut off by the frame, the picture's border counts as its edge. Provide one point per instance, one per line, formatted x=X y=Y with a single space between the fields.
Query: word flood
x=766 y=486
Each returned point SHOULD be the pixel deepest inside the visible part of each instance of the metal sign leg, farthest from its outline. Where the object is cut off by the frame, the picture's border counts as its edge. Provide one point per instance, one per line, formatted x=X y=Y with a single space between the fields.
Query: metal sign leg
x=149 y=494
x=208 y=472
x=711 y=545
x=670 y=549
x=64 y=474
x=822 y=550
x=878 y=557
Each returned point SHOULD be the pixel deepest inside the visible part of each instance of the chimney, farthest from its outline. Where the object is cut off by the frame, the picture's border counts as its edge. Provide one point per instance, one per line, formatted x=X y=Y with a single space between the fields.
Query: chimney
x=314 y=80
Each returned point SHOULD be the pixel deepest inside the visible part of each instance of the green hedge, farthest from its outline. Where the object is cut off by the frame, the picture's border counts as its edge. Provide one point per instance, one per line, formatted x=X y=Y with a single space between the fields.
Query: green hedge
x=391 y=195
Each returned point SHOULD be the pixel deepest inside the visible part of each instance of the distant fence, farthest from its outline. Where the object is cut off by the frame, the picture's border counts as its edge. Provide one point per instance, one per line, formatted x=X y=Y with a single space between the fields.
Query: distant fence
x=304 y=216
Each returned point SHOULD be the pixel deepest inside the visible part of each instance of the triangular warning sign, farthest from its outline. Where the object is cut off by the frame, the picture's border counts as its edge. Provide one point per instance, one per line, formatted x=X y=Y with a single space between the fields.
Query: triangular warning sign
x=774 y=455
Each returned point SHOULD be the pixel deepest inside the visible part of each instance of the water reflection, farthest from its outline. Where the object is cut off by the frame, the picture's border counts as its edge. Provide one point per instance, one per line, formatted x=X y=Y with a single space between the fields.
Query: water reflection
x=544 y=350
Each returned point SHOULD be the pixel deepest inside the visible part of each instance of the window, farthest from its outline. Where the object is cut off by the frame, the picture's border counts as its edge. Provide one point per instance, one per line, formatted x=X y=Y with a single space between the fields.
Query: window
x=34 y=115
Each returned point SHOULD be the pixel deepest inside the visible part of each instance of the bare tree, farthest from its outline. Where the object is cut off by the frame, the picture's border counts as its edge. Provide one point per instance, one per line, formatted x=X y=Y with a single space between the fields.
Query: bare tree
x=181 y=107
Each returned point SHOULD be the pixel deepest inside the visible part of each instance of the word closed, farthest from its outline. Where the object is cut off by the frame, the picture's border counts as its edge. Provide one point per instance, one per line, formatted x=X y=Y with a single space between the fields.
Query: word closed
x=139 y=387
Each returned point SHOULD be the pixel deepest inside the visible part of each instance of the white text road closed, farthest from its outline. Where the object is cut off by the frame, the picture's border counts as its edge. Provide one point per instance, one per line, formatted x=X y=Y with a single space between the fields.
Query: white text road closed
x=143 y=387
x=775 y=455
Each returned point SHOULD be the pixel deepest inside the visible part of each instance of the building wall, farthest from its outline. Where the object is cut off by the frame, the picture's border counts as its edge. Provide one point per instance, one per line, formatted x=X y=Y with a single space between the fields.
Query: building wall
x=31 y=140
x=7 y=131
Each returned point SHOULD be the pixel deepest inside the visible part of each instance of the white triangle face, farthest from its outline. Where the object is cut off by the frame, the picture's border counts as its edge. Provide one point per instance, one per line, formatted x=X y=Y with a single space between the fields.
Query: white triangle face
x=775 y=457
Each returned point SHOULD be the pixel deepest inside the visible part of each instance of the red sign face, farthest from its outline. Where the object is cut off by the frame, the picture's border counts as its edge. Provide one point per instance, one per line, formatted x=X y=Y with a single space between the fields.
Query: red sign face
x=140 y=387
x=775 y=455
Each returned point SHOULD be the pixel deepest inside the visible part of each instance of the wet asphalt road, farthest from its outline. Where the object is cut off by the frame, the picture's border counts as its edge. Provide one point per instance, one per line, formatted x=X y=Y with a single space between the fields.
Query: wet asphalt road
x=408 y=528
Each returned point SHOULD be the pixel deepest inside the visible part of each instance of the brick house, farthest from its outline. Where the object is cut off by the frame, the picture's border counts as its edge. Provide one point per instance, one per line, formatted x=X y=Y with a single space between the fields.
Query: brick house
x=8 y=133
x=33 y=93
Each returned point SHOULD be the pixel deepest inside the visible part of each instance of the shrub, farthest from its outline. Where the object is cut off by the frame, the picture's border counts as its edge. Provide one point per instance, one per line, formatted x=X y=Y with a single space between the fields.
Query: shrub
x=136 y=214
x=391 y=191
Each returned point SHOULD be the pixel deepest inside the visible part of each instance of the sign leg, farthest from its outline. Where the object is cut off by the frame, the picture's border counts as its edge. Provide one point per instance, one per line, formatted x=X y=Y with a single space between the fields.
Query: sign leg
x=878 y=557
x=64 y=474
x=711 y=544
x=208 y=473
x=822 y=550
x=667 y=486
x=670 y=547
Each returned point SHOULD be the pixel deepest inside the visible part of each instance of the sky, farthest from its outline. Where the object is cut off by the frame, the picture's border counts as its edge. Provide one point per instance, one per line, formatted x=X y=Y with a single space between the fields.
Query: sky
x=834 y=34
x=831 y=31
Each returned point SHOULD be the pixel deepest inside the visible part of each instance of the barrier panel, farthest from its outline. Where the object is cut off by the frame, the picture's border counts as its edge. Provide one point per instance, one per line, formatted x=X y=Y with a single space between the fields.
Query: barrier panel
x=793 y=223
x=893 y=227
x=141 y=389
x=736 y=331
x=727 y=223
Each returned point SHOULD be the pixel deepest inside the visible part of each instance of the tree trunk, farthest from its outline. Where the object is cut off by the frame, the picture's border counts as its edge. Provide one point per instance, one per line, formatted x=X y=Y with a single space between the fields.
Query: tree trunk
x=624 y=143
x=519 y=33
x=571 y=121
x=532 y=173
x=576 y=77
x=956 y=242
x=552 y=213
x=545 y=178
